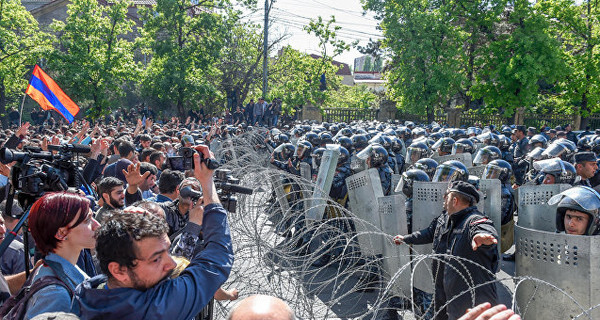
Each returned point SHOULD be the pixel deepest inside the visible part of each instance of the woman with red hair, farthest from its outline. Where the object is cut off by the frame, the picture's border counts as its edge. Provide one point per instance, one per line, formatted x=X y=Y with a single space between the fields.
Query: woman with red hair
x=62 y=225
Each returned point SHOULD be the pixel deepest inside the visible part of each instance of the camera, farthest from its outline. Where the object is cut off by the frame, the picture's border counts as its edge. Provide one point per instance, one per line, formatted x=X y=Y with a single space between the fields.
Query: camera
x=37 y=172
x=184 y=160
x=226 y=186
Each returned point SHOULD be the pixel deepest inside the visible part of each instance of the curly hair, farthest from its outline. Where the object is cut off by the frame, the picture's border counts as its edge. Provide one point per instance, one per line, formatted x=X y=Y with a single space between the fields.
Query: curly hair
x=116 y=237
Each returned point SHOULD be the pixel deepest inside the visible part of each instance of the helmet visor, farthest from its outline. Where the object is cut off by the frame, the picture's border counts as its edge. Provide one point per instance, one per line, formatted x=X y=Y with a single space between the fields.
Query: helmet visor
x=445 y=173
x=555 y=150
x=549 y=165
x=586 y=197
x=536 y=154
x=364 y=153
x=458 y=148
x=482 y=157
x=493 y=172
x=413 y=155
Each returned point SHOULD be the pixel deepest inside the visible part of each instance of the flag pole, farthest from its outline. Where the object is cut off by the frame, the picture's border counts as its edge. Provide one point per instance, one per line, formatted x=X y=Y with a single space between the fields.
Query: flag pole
x=21 y=109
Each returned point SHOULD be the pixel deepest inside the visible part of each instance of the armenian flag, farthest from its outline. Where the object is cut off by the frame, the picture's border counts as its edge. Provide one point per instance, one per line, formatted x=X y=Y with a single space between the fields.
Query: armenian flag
x=49 y=95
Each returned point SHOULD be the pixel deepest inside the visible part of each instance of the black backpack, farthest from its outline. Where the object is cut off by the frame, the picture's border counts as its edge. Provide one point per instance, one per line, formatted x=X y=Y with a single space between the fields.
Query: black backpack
x=16 y=306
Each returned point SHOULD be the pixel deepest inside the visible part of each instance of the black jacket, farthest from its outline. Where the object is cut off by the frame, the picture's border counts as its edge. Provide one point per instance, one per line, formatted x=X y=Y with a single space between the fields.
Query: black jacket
x=452 y=235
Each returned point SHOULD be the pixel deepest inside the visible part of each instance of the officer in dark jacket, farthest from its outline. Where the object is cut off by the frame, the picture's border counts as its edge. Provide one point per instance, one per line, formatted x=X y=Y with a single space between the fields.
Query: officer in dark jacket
x=519 y=152
x=464 y=232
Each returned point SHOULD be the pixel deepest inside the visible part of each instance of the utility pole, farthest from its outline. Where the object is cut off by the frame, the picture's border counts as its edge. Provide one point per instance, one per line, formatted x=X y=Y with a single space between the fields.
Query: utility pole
x=265 y=50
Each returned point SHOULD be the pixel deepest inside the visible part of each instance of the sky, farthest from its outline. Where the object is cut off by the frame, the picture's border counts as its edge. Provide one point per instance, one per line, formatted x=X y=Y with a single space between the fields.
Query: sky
x=289 y=17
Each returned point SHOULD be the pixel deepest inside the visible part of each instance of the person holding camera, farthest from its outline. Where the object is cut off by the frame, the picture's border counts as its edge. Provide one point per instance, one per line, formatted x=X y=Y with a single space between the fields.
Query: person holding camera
x=62 y=225
x=133 y=251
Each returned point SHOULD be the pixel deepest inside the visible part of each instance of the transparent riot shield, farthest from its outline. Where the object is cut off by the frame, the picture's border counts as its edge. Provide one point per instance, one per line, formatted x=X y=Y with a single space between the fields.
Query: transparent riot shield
x=568 y=262
x=395 y=181
x=492 y=202
x=305 y=171
x=318 y=201
x=364 y=188
x=428 y=203
x=534 y=210
x=357 y=165
x=464 y=158
x=306 y=174
x=215 y=146
x=476 y=171
x=277 y=182
x=392 y=213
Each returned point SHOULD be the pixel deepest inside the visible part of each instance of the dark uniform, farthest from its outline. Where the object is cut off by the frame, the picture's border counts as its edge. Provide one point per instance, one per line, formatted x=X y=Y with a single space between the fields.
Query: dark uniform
x=453 y=235
x=385 y=174
x=519 y=153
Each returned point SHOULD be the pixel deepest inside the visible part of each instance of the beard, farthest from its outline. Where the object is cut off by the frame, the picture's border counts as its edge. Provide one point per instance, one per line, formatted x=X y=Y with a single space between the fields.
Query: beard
x=115 y=203
x=140 y=285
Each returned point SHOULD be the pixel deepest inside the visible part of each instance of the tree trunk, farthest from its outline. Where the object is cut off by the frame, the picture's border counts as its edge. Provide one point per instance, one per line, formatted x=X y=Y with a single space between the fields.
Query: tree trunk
x=430 y=114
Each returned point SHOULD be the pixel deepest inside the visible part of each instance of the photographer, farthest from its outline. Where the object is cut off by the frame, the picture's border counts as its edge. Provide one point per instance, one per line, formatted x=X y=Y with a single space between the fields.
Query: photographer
x=177 y=211
x=133 y=254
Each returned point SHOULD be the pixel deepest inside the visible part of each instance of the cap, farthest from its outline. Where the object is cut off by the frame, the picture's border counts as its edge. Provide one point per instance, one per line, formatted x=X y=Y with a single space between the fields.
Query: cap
x=187 y=139
x=520 y=128
x=465 y=189
x=531 y=129
x=553 y=131
x=581 y=157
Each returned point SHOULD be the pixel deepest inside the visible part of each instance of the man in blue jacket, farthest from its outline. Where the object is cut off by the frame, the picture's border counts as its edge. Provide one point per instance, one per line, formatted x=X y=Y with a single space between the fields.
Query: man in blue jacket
x=133 y=251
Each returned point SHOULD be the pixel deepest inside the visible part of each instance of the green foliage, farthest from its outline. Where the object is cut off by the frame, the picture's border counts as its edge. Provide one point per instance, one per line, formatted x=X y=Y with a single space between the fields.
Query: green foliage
x=353 y=97
x=92 y=60
x=184 y=43
x=295 y=78
x=21 y=45
x=326 y=33
x=514 y=63
x=577 y=24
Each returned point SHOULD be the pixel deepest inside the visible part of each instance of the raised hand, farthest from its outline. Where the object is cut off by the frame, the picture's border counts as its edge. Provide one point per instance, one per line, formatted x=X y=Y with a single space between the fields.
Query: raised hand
x=483 y=239
x=133 y=176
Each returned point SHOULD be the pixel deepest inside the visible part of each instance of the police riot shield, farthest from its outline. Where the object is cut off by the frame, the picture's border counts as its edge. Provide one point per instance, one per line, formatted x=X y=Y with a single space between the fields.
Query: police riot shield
x=492 y=202
x=395 y=181
x=357 y=165
x=428 y=203
x=215 y=145
x=363 y=190
x=464 y=158
x=477 y=171
x=392 y=214
x=278 y=183
x=569 y=262
x=305 y=171
x=534 y=210
x=306 y=174
x=323 y=184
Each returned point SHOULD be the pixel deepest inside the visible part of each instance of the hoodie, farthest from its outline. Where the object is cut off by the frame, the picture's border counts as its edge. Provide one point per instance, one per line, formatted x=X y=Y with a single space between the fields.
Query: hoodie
x=179 y=298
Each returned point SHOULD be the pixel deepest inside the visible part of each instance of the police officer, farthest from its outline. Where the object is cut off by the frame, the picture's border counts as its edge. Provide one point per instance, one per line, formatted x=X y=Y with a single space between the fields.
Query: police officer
x=464 y=232
x=577 y=211
x=501 y=170
x=586 y=167
x=519 y=152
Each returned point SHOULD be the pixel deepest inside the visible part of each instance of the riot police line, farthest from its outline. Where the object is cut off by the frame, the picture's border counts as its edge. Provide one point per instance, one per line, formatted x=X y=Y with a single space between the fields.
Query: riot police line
x=395 y=179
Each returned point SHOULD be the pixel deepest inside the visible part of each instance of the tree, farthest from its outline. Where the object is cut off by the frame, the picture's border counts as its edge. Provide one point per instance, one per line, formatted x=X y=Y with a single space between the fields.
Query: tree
x=22 y=44
x=240 y=60
x=577 y=25
x=92 y=59
x=425 y=49
x=295 y=77
x=352 y=97
x=185 y=41
x=521 y=55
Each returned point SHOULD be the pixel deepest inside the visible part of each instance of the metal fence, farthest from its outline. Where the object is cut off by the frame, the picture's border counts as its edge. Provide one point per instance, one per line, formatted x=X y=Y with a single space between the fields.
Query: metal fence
x=551 y=120
x=348 y=114
x=593 y=121
x=469 y=119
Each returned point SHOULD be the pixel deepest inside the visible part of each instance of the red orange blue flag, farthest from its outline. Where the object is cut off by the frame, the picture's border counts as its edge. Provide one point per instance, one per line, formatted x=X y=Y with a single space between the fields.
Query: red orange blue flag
x=49 y=95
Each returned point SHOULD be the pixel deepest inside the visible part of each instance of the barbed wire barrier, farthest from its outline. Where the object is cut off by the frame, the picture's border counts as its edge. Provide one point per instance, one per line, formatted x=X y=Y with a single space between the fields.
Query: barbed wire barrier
x=317 y=266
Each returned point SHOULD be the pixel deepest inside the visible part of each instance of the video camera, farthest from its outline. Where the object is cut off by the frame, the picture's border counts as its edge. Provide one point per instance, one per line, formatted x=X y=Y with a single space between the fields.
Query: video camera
x=226 y=186
x=185 y=160
x=39 y=171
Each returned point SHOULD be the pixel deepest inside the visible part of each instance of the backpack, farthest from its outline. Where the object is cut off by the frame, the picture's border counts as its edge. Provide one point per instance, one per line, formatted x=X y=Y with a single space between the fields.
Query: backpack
x=16 y=306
